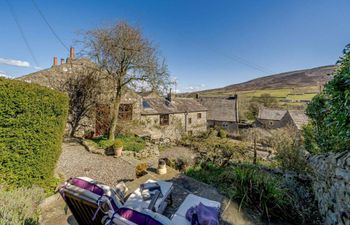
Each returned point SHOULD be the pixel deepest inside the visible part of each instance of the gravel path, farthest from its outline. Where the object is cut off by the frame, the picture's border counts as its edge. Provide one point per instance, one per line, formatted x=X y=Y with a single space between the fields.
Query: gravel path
x=76 y=161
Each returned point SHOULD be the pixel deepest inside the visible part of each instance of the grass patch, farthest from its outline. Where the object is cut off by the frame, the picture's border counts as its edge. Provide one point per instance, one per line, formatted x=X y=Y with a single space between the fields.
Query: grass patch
x=130 y=143
x=301 y=97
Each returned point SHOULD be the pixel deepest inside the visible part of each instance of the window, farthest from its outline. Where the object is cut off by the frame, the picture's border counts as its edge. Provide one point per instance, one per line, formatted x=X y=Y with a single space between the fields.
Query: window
x=190 y=132
x=164 y=119
x=199 y=115
x=145 y=104
x=189 y=120
x=125 y=112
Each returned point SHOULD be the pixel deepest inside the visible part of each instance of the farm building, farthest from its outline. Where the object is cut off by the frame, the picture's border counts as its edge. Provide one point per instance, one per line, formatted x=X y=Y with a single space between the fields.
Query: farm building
x=278 y=118
x=222 y=112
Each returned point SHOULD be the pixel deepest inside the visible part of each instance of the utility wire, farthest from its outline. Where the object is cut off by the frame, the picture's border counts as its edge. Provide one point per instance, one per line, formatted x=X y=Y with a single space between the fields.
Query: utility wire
x=244 y=61
x=13 y=13
x=48 y=24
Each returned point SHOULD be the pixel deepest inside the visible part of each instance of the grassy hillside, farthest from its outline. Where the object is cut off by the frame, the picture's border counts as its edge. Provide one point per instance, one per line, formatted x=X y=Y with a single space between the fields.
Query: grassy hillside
x=292 y=90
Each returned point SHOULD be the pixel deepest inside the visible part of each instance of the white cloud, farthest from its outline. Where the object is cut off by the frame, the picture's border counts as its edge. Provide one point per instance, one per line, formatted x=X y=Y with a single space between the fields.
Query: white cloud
x=14 y=62
x=197 y=87
x=3 y=74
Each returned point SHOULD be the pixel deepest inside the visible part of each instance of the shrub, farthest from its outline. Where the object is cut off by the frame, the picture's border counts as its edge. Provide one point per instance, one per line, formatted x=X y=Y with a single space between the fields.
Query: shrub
x=141 y=169
x=219 y=151
x=329 y=111
x=32 y=122
x=222 y=133
x=20 y=206
x=289 y=152
x=118 y=144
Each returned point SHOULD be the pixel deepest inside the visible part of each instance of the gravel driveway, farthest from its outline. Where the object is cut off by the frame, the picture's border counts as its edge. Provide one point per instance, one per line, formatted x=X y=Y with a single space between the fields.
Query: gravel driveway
x=76 y=161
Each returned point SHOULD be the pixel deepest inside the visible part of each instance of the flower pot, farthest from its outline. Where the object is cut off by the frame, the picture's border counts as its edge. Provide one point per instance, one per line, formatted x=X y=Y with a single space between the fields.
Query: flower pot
x=118 y=151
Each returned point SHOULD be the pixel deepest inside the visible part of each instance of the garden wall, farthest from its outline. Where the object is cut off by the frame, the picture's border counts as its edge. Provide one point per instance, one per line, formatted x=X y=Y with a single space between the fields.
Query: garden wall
x=332 y=186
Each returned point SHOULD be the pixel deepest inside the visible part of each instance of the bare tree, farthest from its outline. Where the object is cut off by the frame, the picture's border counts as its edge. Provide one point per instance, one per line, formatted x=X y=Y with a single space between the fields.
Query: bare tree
x=83 y=90
x=128 y=59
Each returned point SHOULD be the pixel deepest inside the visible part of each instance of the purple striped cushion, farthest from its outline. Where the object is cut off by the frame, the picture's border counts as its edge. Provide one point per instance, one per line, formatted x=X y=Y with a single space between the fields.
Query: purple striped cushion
x=137 y=217
x=87 y=186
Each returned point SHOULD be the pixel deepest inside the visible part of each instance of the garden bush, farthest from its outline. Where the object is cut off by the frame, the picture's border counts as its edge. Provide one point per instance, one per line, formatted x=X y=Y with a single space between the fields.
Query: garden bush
x=20 y=206
x=32 y=122
x=289 y=152
x=219 y=151
x=329 y=112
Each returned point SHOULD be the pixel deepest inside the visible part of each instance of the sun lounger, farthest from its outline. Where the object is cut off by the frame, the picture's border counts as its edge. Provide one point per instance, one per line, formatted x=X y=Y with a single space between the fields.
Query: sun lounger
x=89 y=203
x=88 y=200
x=148 y=217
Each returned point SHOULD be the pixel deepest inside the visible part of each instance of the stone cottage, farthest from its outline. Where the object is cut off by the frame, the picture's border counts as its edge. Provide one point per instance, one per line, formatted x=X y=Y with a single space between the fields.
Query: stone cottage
x=146 y=112
x=222 y=112
x=170 y=117
x=278 y=118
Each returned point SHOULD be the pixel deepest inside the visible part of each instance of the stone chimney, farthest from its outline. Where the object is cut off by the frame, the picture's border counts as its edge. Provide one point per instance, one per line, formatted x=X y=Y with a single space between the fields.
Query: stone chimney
x=55 y=61
x=62 y=61
x=71 y=53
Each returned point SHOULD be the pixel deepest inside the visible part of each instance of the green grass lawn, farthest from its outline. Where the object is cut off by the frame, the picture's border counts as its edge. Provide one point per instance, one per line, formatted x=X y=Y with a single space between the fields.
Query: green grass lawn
x=299 y=93
x=301 y=97
x=130 y=143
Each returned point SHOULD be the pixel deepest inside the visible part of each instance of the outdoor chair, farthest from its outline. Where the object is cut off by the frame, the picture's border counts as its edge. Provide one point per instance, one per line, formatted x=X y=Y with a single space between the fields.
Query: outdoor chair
x=89 y=203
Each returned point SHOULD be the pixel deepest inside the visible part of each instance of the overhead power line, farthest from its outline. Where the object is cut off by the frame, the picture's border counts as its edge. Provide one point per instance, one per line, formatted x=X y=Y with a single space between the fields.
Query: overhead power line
x=244 y=61
x=15 y=18
x=48 y=24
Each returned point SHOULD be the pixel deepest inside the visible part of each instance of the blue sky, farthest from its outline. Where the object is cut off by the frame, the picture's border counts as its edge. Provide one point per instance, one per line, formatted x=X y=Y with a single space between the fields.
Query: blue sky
x=207 y=44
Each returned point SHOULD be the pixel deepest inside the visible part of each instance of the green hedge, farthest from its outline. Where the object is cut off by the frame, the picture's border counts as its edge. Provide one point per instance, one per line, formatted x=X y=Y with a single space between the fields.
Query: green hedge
x=32 y=122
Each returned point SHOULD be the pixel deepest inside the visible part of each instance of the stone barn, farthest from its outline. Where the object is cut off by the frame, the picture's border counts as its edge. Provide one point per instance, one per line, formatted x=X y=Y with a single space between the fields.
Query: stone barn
x=272 y=118
x=279 y=118
x=222 y=112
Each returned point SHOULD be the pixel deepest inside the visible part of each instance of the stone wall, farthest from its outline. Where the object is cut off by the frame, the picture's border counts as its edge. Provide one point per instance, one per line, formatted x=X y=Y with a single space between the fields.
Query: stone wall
x=179 y=124
x=332 y=186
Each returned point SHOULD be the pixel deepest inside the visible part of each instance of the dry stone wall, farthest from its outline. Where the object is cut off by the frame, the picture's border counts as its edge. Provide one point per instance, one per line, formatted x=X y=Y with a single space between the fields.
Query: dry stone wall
x=332 y=186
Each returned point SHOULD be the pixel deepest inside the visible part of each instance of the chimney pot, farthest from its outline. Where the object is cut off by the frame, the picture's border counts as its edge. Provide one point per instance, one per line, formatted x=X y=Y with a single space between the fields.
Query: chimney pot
x=55 y=61
x=71 y=53
x=62 y=61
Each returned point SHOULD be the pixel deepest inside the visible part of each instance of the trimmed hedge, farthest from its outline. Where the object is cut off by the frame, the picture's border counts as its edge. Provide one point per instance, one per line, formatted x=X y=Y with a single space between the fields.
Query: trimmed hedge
x=32 y=122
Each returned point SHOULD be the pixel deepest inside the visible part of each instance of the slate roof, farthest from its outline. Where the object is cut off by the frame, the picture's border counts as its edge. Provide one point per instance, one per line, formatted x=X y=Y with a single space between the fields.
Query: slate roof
x=220 y=109
x=152 y=106
x=299 y=118
x=271 y=114
x=55 y=75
